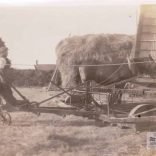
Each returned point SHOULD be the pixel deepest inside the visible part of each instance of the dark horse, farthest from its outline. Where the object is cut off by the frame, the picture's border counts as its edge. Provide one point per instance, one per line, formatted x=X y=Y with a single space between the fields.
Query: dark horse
x=108 y=74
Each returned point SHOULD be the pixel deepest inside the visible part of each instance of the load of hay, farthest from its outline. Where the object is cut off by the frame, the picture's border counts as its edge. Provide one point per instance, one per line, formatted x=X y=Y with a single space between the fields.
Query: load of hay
x=89 y=49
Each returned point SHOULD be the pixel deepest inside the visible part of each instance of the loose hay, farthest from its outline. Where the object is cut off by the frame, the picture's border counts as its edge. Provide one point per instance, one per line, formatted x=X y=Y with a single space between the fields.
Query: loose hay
x=89 y=49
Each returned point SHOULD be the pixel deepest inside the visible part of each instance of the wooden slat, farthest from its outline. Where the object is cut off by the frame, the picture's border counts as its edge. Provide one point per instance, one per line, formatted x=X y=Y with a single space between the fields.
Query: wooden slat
x=149 y=25
x=148 y=33
x=149 y=119
x=153 y=50
x=147 y=41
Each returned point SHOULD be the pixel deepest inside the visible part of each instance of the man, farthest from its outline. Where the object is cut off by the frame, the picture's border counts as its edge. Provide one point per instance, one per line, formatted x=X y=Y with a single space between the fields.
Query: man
x=5 y=89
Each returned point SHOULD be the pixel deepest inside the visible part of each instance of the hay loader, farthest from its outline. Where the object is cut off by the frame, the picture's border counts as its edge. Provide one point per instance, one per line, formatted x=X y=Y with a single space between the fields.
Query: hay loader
x=104 y=103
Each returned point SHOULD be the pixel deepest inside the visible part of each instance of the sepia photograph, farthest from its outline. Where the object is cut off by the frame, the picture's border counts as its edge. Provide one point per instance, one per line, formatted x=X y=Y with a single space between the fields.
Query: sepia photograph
x=77 y=78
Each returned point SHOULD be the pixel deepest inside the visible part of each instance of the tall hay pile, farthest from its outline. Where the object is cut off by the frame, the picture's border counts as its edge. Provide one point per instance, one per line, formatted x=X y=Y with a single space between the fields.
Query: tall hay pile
x=89 y=49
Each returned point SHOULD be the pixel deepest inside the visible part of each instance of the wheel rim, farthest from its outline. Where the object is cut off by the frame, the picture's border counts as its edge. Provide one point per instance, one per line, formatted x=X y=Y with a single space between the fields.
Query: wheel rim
x=5 y=118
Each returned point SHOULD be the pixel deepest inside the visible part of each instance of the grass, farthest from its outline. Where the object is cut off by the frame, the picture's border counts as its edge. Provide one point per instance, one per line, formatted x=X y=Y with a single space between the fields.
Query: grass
x=52 y=135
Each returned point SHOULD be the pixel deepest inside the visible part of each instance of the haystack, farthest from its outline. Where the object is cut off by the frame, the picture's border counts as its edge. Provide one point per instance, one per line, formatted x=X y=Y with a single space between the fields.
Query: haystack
x=89 y=49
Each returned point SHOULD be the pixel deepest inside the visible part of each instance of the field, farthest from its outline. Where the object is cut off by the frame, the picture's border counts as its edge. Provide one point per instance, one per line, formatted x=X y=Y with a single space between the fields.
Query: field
x=52 y=135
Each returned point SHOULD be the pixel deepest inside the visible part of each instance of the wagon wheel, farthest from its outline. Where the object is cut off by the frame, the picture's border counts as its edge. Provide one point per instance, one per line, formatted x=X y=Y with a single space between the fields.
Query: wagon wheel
x=5 y=118
x=143 y=110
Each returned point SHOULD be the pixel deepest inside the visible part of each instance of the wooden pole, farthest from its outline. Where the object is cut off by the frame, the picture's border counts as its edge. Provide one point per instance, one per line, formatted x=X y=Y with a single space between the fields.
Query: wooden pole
x=52 y=78
x=134 y=120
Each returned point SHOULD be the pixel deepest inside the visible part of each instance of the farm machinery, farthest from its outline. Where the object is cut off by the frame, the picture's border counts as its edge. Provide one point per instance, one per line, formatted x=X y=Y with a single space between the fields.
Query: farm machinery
x=106 y=103
x=102 y=104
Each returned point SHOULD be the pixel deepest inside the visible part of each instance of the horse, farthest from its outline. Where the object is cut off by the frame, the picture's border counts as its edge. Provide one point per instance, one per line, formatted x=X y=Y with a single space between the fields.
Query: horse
x=107 y=74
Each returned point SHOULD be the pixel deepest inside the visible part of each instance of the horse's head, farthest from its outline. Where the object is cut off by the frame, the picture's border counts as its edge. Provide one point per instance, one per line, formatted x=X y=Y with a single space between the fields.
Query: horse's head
x=144 y=65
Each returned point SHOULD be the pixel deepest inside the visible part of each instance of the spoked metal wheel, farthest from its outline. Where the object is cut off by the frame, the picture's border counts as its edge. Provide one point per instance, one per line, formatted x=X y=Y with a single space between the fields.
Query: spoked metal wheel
x=143 y=115
x=143 y=110
x=5 y=118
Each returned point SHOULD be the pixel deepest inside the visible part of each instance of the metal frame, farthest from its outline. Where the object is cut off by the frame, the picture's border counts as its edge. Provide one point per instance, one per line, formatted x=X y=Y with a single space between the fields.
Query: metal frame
x=129 y=114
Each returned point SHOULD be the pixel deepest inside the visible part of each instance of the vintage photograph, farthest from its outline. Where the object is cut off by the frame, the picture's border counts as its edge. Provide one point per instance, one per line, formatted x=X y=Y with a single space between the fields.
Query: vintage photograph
x=77 y=78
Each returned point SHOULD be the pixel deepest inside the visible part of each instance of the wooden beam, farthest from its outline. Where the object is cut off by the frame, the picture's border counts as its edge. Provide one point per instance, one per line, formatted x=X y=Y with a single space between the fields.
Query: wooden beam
x=128 y=120
x=52 y=78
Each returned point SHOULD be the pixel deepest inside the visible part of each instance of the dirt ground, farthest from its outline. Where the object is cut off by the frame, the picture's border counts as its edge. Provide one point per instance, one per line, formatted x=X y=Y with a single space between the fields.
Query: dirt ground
x=52 y=135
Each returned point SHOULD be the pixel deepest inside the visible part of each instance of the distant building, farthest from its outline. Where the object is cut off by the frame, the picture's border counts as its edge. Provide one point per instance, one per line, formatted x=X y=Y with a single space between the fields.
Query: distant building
x=45 y=67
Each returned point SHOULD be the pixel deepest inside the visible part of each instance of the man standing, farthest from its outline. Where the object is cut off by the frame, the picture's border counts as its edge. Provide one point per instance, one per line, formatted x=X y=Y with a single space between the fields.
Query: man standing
x=5 y=89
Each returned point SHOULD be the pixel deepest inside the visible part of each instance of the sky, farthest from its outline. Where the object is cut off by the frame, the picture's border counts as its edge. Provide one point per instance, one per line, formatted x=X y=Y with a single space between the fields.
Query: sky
x=31 y=29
